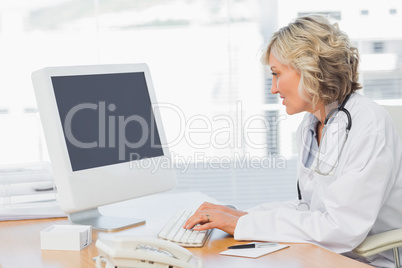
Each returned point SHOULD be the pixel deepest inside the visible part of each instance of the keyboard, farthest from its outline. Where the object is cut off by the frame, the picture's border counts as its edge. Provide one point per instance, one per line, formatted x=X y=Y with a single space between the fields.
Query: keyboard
x=174 y=232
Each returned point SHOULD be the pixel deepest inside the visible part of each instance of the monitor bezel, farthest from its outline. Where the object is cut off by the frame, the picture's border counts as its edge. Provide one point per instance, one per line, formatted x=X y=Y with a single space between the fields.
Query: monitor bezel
x=80 y=190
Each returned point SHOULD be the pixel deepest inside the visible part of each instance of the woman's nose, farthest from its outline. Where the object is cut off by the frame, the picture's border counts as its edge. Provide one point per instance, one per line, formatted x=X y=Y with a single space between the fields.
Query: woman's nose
x=274 y=88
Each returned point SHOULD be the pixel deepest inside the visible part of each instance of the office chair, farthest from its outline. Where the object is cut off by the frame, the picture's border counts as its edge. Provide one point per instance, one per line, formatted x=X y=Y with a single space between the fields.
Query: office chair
x=377 y=243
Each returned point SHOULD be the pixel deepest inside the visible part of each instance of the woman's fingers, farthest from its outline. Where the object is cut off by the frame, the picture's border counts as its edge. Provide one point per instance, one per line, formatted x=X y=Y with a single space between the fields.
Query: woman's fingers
x=210 y=216
x=208 y=219
x=199 y=217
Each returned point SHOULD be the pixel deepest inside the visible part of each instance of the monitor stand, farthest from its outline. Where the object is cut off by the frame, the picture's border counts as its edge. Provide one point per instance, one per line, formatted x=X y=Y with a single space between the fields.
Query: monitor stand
x=101 y=222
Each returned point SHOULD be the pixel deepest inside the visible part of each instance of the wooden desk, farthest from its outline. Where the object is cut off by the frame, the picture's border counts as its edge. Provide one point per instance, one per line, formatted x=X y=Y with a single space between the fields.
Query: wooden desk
x=20 y=241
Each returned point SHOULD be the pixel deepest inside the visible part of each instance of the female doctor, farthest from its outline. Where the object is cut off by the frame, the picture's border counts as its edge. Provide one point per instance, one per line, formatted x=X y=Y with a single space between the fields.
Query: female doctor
x=350 y=154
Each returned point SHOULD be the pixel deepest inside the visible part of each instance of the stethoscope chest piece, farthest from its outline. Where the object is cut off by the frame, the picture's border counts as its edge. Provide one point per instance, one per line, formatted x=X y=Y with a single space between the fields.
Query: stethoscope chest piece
x=303 y=206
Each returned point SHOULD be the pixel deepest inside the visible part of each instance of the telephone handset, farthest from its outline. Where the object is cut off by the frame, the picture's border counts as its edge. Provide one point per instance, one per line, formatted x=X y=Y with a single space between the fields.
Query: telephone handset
x=144 y=252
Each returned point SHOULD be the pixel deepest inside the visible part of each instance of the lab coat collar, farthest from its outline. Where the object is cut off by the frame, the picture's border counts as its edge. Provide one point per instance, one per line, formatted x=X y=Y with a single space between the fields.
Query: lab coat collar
x=330 y=143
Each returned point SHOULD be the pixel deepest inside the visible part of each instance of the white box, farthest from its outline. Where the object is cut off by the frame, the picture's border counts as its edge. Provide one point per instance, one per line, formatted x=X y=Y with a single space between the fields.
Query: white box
x=66 y=237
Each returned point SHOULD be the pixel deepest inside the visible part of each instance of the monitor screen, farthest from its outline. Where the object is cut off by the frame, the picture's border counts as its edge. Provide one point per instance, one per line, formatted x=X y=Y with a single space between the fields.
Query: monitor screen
x=106 y=119
x=104 y=136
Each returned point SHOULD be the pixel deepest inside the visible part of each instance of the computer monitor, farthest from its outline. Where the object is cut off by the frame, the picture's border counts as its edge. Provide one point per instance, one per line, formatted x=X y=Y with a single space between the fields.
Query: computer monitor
x=104 y=137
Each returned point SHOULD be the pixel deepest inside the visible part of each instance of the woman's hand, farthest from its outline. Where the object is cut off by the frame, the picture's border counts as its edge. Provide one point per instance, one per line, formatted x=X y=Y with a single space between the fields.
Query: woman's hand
x=210 y=216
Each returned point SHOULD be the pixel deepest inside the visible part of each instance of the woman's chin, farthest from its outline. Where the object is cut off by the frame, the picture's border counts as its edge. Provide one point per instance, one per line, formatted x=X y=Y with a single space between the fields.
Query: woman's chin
x=290 y=111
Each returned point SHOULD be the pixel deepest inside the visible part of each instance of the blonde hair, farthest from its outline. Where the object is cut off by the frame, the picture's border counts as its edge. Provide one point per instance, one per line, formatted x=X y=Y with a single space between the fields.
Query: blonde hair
x=321 y=54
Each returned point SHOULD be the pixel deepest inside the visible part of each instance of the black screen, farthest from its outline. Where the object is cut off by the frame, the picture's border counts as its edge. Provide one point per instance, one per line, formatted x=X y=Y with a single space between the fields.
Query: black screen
x=106 y=119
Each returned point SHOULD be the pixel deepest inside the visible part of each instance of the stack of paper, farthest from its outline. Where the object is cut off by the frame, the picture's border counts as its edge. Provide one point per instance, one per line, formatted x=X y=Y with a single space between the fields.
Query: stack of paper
x=27 y=192
x=36 y=210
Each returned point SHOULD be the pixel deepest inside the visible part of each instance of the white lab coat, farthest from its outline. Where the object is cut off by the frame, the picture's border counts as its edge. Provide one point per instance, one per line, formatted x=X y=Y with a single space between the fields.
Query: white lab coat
x=361 y=198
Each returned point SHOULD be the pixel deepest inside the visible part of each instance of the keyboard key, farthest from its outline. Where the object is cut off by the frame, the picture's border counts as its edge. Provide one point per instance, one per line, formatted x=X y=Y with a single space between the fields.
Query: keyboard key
x=186 y=235
x=173 y=231
x=200 y=236
x=168 y=227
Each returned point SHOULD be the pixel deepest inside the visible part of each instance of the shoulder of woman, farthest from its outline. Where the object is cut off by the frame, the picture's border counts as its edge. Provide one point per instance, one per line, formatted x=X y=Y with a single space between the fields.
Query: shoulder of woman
x=367 y=115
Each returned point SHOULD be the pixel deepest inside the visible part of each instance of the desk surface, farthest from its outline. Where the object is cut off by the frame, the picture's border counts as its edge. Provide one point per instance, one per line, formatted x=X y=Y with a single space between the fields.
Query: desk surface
x=20 y=240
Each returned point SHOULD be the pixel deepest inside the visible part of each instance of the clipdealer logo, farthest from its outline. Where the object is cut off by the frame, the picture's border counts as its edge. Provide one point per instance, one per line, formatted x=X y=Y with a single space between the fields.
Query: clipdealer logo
x=237 y=131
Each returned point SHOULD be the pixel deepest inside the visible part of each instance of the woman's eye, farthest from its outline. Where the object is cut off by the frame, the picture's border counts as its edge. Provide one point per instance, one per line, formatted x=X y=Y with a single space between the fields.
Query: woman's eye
x=274 y=74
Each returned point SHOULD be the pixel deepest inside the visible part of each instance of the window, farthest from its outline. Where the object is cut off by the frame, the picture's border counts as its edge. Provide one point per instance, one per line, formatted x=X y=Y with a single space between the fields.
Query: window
x=224 y=126
x=332 y=14
x=378 y=47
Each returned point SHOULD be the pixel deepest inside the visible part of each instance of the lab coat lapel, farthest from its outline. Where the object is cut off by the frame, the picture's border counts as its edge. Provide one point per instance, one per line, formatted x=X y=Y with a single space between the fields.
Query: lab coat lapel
x=306 y=175
x=331 y=143
x=306 y=137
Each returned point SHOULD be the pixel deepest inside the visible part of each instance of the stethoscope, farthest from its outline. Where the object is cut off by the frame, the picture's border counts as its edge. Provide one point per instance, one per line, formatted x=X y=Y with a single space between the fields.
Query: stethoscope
x=303 y=206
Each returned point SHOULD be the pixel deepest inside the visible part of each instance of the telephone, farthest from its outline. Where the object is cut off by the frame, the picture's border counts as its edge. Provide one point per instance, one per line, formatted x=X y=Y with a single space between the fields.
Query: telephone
x=139 y=252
